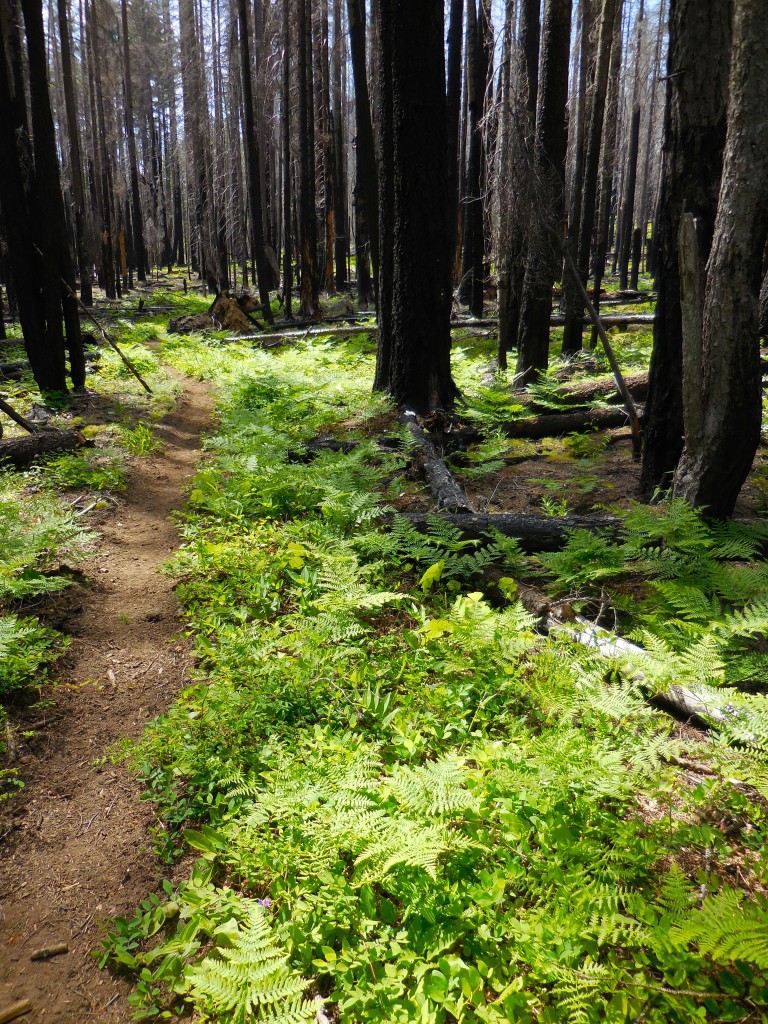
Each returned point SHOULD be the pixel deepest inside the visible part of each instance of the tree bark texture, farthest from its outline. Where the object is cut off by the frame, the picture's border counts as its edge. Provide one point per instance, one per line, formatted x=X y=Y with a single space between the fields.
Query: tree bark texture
x=722 y=386
x=550 y=149
x=253 y=163
x=365 y=154
x=137 y=218
x=411 y=43
x=473 y=241
x=20 y=452
x=587 y=10
x=535 y=533
x=608 y=159
x=307 y=218
x=694 y=138
x=572 y=336
x=627 y=214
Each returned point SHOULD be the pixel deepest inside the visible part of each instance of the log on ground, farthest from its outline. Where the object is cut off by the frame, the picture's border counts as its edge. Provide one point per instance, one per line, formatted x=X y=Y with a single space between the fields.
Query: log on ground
x=620 y=320
x=587 y=392
x=698 y=705
x=535 y=533
x=294 y=335
x=13 y=371
x=22 y=451
x=559 y=423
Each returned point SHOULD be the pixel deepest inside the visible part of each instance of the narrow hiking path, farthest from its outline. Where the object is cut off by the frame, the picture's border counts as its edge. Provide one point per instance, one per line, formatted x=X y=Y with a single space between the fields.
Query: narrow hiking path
x=77 y=842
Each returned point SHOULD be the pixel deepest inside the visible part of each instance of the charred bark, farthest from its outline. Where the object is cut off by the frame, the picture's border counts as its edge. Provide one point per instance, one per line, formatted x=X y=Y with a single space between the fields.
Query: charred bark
x=694 y=138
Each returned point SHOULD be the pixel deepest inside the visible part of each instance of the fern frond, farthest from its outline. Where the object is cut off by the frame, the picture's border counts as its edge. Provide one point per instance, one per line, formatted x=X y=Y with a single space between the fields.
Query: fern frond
x=727 y=928
x=746 y=621
x=677 y=894
x=403 y=841
x=250 y=981
x=437 y=787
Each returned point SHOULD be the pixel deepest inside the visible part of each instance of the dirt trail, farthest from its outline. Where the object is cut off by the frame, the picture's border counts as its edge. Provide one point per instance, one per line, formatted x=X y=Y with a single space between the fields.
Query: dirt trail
x=78 y=848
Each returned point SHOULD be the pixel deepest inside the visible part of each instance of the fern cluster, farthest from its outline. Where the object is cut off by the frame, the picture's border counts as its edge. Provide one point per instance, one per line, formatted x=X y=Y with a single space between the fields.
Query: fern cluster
x=399 y=790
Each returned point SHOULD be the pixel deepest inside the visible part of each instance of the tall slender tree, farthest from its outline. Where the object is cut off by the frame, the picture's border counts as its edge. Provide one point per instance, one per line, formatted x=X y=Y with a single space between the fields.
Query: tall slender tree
x=543 y=257
x=627 y=214
x=253 y=163
x=137 y=216
x=366 y=194
x=572 y=335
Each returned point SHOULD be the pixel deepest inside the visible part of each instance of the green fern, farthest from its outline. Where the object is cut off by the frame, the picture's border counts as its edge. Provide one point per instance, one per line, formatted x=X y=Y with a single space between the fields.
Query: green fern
x=250 y=981
x=728 y=927
x=438 y=787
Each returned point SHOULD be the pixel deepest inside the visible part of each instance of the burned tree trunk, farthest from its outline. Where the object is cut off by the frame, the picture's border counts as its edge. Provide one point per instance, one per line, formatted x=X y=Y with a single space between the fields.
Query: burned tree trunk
x=307 y=220
x=253 y=164
x=572 y=336
x=366 y=197
x=478 y=58
x=411 y=46
x=550 y=149
x=137 y=217
x=694 y=137
x=721 y=351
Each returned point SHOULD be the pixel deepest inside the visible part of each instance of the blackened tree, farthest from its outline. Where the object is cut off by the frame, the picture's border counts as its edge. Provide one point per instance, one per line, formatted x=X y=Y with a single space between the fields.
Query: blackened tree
x=414 y=357
x=694 y=138
x=722 y=402
x=549 y=162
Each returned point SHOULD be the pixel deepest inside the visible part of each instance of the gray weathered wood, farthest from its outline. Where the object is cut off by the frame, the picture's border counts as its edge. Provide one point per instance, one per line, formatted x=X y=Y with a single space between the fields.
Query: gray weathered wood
x=446 y=491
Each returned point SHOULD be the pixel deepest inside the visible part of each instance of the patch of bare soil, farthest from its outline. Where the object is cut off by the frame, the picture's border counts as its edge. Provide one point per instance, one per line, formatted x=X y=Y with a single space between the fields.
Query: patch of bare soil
x=78 y=850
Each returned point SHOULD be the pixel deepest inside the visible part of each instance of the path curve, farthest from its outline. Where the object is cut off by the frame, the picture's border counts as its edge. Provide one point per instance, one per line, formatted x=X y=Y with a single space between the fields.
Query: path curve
x=78 y=848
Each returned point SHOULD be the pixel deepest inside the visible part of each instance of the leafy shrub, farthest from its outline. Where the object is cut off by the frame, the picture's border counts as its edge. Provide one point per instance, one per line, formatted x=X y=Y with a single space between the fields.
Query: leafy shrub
x=96 y=472
x=25 y=648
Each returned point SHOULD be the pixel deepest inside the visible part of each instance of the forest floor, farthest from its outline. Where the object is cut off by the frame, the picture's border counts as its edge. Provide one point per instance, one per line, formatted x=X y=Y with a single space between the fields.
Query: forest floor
x=415 y=798
x=78 y=848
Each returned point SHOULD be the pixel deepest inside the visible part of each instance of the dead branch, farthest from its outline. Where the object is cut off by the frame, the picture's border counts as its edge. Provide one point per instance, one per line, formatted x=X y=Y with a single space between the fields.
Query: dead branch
x=447 y=493
x=535 y=533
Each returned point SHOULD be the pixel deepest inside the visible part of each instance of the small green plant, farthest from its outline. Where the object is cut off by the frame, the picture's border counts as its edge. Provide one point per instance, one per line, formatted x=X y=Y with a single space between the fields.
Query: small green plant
x=552 y=506
x=140 y=440
x=95 y=472
x=36 y=533
x=586 y=445
x=25 y=649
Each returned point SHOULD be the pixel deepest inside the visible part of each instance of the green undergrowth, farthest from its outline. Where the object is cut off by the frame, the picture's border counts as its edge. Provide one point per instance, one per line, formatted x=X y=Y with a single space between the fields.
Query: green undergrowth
x=43 y=509
x=38 y=534
x=407 y=804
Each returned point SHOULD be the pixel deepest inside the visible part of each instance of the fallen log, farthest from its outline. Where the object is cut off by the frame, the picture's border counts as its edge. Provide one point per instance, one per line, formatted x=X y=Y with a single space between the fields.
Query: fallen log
x=535 y=533
x=587 y=392
x=292 y=336
x=558 y=423
x=12 y=371
x=633 y=300
x=21 y=451
x=446 y=491
x=612 y=320
x=702 y=706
